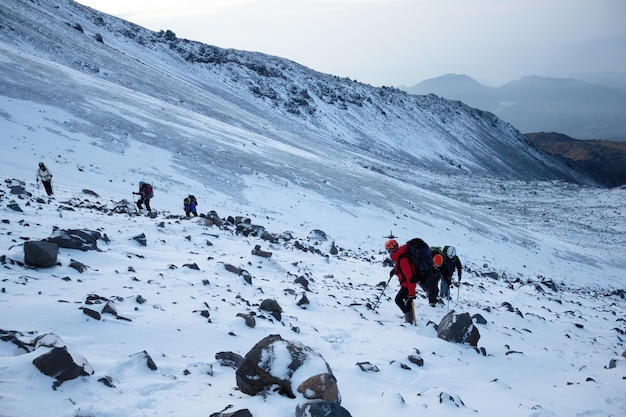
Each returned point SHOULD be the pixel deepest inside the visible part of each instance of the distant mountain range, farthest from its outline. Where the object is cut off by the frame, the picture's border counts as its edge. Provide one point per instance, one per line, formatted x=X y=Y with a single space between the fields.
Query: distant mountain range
x=586 y=107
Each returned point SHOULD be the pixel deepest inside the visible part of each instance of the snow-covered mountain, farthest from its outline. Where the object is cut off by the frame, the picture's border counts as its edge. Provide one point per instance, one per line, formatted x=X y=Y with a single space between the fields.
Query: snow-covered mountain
x=106 y=103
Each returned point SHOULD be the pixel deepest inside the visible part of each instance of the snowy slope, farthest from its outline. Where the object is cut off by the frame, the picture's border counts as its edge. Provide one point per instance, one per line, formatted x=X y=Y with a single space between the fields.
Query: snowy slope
x=520 y=230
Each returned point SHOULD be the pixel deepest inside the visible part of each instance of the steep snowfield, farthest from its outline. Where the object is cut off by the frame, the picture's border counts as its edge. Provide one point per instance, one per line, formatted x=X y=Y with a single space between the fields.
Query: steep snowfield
x=552 y=250
x=549 y=357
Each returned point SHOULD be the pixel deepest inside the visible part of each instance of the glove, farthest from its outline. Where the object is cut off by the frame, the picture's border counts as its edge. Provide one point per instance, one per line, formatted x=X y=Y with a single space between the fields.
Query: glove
x=392 y=272
x=411 y=297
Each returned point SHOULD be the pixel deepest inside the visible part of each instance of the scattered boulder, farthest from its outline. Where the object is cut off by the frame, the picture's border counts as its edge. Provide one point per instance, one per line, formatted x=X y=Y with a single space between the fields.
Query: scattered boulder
x=230 y=359
x=416 y=359
x=60 y=364
x=367 y=367
x=258 y=252
x=317 y=237
x=302 y=281
x=247 y=229
x=273 y=307
x=212 y=219
x=91 y=313
x=19 y=190
x=321 y=387
x=145 y=358
x=241 y=272
x=275 y=363
x=248 y=318
x=479 y=319
x=79 y=266
x=15 y=207
x=303 y=301
x=458 y=328
x=40 y=254
x=141 y=239
x=90 y=192
x=321 y=409
x=244 y=412
x=75 y=239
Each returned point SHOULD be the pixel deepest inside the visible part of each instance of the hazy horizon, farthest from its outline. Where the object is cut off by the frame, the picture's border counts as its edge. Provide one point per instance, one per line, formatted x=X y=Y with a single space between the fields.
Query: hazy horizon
x=396 y=42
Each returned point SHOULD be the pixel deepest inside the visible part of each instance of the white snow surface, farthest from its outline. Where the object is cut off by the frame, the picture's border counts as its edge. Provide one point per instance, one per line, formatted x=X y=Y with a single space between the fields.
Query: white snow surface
x=514 y=234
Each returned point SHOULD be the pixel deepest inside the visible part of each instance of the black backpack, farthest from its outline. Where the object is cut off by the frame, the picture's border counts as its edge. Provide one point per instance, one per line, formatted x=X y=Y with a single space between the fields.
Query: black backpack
x=420 y=259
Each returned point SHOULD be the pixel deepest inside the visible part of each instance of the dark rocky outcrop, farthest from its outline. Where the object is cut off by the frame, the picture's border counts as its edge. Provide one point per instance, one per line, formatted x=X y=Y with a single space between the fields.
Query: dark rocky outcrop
x=272 y=362
x=141 y=239
x=244 y=412
x=61 y=365
x=58 y=362
x=458 y=328
x=320 y=387
x=40 y=254
x=75 y=239
x=321 y=409
x=272 y=307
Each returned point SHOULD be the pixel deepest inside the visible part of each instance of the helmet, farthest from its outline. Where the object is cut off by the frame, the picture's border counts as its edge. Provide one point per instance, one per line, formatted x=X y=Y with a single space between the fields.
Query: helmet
x=391 y=245
x=142 y=182
x=450 y=252
x=437 y=260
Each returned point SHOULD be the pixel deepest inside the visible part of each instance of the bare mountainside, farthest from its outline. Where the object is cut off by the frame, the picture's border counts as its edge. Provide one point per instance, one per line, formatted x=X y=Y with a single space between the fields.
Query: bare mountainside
x=601 y=159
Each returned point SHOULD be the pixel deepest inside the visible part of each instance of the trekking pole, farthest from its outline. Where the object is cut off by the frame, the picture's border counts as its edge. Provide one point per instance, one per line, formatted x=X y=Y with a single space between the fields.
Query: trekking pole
x=381 y=294
x=458 y=291
x=413 y=311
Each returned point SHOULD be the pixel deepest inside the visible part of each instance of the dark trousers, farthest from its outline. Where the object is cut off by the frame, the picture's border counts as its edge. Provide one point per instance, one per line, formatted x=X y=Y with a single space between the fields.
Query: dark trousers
x=48 y=186
x=144 y=201
x=401 y=300
x=431 y=287
x=189 y=209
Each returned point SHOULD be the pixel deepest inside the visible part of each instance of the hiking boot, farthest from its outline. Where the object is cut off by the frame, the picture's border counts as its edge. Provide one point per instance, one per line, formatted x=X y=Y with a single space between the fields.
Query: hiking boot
x=432 y=304
x=408 y=317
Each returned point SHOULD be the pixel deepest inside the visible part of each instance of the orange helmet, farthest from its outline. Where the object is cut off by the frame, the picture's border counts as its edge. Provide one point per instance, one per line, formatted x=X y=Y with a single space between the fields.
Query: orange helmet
x=391 y=245
x=437 y=260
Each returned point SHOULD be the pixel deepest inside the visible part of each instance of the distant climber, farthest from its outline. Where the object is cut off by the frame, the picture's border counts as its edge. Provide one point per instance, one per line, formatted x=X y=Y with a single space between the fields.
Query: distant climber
x=145 y=194
x=190 y=204
x=451 y=262
x=45 y=176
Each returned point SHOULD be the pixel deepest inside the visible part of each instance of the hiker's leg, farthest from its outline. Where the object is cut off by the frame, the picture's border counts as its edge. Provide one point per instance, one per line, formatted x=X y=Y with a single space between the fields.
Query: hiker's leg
x=48 y=187
x=401 y=299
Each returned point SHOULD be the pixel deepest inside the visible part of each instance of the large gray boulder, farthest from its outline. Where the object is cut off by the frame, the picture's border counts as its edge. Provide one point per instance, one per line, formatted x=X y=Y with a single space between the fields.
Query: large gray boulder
x=40 y=254
x=277 y=364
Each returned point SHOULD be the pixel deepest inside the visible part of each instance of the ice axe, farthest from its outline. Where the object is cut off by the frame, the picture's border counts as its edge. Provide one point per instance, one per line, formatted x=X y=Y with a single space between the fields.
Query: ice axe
x=381 y=294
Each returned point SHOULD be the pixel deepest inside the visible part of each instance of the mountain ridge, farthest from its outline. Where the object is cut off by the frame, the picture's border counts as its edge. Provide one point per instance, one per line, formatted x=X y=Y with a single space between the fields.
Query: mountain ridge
x=308 y=106
x=574 y=107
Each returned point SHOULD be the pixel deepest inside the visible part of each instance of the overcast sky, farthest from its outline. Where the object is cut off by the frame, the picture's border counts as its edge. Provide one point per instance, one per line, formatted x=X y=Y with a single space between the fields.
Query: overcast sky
x=403 y=42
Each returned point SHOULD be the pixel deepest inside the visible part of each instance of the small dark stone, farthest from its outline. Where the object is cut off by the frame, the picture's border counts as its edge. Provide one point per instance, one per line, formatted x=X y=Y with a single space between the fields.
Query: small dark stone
x=107 y=380
x=417 y=360
x=229 y=359
x=91 y=313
